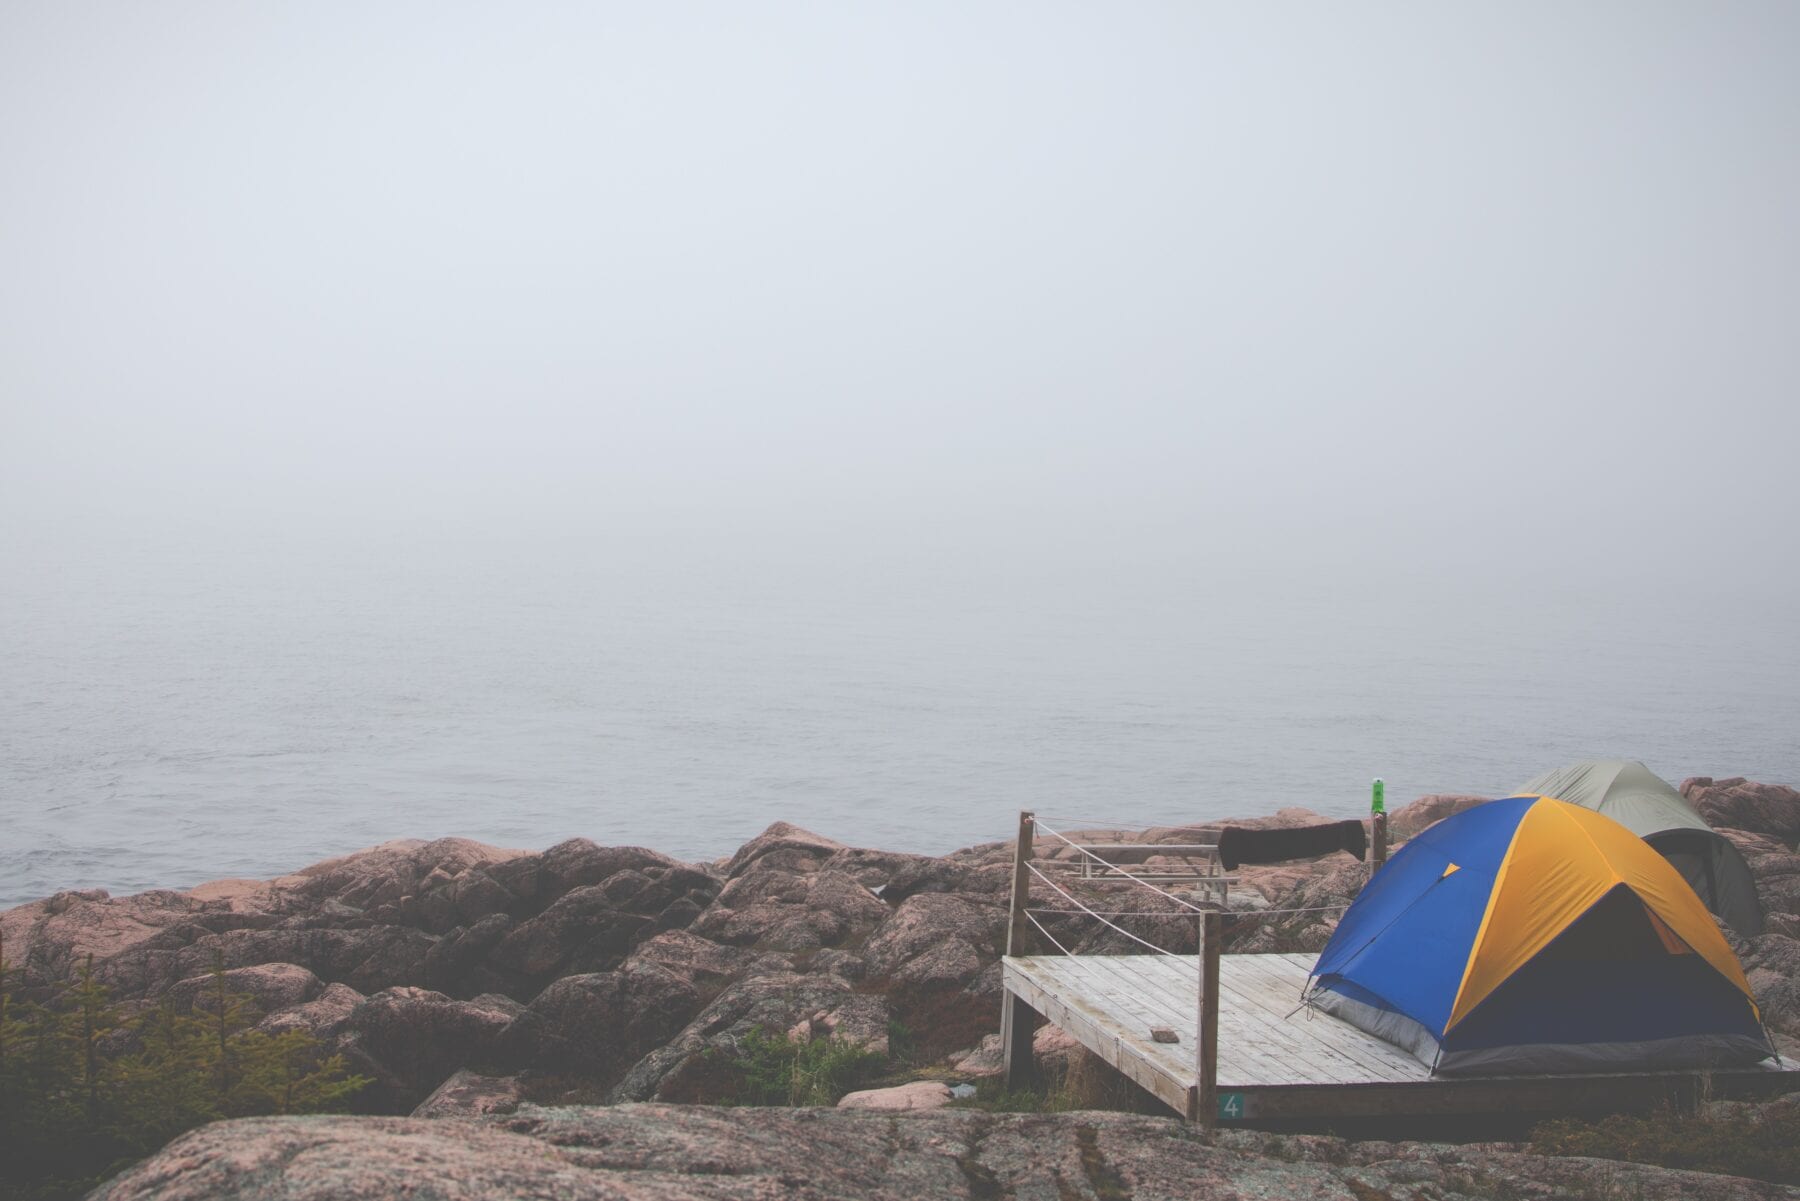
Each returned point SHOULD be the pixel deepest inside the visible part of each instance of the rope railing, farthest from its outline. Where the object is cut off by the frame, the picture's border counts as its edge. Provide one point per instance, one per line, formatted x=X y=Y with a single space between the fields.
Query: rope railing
x=1186 y=904
x=1076 y=901
x=1054 y=941
x=1033 y=914
x=1234 y=914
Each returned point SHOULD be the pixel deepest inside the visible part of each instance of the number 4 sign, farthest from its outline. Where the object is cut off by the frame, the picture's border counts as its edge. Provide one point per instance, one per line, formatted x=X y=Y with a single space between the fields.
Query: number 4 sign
x=1231 y=1106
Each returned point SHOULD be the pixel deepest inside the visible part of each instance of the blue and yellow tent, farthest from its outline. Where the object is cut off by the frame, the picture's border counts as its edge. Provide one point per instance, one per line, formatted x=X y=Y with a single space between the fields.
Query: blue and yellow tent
x=1531 y=935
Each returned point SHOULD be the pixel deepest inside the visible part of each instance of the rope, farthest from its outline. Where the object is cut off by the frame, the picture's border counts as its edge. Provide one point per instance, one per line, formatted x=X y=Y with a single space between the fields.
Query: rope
x=1032 y=868
x=1115 y=912
x=1188 y=905
x=1046 y=933
x=1235 y=914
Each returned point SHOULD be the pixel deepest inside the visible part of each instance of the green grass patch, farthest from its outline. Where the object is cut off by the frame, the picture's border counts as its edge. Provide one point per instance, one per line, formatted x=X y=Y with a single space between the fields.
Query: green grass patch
x=772 y=1070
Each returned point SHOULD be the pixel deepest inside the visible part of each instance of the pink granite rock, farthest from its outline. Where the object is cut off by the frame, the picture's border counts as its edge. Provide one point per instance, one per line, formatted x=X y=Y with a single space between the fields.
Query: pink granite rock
x=675 y=1153
x=467 y=1094
x=920 y=1094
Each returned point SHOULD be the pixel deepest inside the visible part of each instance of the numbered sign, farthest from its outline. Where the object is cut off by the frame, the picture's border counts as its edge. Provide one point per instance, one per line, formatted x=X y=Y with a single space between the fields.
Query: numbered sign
x=1231 y=1106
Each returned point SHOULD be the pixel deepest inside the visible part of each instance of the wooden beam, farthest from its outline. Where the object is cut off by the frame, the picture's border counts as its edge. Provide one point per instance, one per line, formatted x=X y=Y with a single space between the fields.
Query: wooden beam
x=1443 y=1097
x=1018 y=1020
x=1018 y=926
x=1206 y=1097
x=1378 y=841
x=1018 y=1024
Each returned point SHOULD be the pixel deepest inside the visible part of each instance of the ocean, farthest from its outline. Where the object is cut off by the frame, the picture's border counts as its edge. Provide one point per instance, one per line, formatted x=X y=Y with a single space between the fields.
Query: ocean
x=173 y=710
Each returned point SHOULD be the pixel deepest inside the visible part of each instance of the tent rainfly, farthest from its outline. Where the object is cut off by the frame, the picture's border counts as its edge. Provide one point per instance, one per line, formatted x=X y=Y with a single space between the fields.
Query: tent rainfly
x=1531 y=935
x=1650 y=807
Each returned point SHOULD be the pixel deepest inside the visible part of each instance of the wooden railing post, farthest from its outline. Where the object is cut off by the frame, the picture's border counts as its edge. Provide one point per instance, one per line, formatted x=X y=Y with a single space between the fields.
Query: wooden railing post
x=1018 y=927
x=1018 y=1021
x=1206 y=1100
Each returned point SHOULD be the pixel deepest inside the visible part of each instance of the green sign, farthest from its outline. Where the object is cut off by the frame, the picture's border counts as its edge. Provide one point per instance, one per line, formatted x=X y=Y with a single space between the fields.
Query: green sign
x=1231 y=1106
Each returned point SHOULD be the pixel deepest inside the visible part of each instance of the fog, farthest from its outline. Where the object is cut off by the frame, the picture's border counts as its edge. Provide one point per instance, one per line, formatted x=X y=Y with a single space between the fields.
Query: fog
x=1487 y=289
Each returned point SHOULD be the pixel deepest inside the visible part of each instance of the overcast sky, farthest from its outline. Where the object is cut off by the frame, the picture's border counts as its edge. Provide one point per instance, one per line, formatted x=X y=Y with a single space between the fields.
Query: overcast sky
x=1501 y=280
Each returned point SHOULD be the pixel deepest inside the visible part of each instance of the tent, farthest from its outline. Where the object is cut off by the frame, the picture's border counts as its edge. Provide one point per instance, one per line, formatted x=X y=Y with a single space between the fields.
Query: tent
x=1532 y=935
x=1647 y=805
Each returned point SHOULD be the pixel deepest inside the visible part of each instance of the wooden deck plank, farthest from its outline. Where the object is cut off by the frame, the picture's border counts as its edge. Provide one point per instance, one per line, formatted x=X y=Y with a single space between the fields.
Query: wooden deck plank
x=1287 y=1064
x=1098 y=1031
x=1331 y=1051
x=1254 y=1045
x=1247 y=1050
x=1138 y=1010
x=1379 y=1059
x=1321 y=1059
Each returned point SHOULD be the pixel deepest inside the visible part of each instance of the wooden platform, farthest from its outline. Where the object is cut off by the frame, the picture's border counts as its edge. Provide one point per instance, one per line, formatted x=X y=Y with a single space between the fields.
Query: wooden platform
x=1278 y=1061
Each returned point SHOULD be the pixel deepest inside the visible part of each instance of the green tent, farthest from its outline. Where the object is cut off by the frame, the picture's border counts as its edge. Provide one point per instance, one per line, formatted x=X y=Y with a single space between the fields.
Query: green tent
x=1647 y=805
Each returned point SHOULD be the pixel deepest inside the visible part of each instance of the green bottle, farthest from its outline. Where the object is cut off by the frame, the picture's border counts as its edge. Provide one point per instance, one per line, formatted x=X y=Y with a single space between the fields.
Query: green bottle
x=1378 y=803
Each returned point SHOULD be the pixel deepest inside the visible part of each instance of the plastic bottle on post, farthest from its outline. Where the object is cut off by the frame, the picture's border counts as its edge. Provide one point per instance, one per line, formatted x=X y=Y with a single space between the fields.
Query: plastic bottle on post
x=1378 y=825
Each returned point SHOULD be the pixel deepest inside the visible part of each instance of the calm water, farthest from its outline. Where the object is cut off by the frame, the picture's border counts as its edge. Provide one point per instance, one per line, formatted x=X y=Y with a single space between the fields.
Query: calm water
x=170 y=714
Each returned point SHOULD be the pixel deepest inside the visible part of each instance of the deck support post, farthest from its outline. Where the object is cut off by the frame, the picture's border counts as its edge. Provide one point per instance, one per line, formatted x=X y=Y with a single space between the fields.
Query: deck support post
x=1378 y=841
x=1018 y=925
x=1018 y=1020
x=1018 y=1024
x=1206 y=1088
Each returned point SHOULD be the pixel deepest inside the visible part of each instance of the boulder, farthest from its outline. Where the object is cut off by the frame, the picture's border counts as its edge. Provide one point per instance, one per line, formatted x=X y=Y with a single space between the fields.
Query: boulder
x=466 y=1094
x=271 y=987
x=924 y=923
x=875 y=870
x=47 y=941
x=984 y=871
x=1775 y=870
x=934 y=959
x=538 y=880
x=780 y=910
x=601 y=1023
x=1411 y=820
x=416 y=1038
x=784 y=847
x=1740 y=804
x=986 y=1058
x=368 y=957
x=584 y=929
x=389 y=873
x=323 y=1017
x=1772 y=964
x=920 y=1094
x=458 y=963
x=694 y=1064
x=1301 y=920
x=593 y=926
x=1054 y=1051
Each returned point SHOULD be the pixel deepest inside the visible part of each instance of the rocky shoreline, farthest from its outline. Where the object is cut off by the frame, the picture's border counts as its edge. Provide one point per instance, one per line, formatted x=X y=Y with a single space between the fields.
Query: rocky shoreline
x=695 y=1153
x=610 y=974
